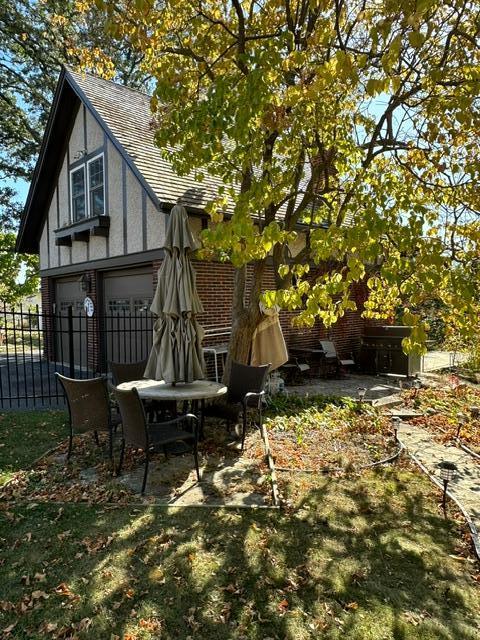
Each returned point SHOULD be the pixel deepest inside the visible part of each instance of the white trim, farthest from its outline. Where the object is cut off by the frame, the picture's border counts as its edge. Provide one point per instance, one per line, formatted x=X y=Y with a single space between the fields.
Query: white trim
x=99 y=155
x=83 y=166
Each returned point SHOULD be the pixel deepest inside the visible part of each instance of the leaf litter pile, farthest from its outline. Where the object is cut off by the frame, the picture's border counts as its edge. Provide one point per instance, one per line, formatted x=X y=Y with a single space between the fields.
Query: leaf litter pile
x=442 y=408
x=88 y=476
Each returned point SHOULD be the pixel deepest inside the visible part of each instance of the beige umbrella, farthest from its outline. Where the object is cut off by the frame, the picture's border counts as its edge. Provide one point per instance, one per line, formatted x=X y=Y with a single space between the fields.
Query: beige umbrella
x=176 y=354
x=268 y=343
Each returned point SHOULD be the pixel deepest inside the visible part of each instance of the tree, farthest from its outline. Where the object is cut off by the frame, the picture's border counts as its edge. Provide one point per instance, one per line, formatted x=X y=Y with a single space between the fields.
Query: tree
x=37 y=38
x=18 y=278
x=351 y=122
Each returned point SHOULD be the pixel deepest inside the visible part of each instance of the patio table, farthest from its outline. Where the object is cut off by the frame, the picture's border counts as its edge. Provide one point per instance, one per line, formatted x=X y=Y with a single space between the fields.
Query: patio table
x=193 y=392
x=159 y=390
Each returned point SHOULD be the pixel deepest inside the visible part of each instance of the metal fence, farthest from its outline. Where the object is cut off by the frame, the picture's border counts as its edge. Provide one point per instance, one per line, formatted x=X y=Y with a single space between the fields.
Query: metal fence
x=34 y=345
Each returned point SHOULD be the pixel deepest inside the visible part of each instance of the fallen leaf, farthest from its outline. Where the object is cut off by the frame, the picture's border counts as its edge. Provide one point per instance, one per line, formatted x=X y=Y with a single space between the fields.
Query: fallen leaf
x=283 y=604
x=8 y=630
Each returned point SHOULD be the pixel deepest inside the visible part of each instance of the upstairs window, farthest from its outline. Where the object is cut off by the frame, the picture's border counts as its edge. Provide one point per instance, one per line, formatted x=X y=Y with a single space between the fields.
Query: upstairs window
x=79 y=208
x=88 y=189
x=96 y=189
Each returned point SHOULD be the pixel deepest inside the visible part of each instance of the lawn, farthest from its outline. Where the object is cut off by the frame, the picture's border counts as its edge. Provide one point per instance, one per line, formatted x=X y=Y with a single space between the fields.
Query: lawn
x=355 y=555
x=26 y=435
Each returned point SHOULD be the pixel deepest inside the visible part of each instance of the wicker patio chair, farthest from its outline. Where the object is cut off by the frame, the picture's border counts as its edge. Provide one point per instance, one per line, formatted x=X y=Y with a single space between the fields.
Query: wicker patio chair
x=245 y=391
x=88 y=408
x=128 y=371
x=139 y=433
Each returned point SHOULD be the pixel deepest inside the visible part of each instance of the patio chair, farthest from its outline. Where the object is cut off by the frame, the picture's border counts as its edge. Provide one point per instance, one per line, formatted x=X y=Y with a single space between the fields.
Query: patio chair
x=128 y=371
x=139 y=433
x=332 y=359
x=245 y=391
x=88 y=408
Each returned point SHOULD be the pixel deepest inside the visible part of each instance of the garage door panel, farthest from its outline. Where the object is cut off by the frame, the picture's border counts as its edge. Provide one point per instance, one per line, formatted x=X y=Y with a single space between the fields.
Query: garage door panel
x=128 y=322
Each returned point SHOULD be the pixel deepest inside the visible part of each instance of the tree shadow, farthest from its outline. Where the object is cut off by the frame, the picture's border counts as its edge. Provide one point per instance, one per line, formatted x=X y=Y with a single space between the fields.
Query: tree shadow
x=360 y=557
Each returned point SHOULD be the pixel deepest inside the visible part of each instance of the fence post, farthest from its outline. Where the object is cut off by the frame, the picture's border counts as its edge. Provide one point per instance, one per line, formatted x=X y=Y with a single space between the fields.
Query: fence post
x=71 y=355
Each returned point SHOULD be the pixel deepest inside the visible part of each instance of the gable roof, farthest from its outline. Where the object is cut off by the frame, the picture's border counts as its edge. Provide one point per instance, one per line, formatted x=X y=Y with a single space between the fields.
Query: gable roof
x=125 y=116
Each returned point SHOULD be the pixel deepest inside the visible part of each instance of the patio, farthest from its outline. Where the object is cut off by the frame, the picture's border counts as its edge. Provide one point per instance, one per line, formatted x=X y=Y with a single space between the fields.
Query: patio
x=378 y=387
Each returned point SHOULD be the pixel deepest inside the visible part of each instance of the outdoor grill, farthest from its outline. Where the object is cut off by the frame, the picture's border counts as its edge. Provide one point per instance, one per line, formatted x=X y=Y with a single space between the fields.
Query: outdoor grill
x=381 y=351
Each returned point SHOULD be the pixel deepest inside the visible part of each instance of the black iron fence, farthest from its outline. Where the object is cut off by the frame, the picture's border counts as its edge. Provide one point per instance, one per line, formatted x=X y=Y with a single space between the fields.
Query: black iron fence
x=35 y=344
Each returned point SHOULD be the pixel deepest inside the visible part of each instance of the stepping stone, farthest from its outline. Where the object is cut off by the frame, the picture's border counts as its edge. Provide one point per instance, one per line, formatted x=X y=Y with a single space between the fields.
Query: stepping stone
x=404 y=413
x=465 y=486
x=388 y=401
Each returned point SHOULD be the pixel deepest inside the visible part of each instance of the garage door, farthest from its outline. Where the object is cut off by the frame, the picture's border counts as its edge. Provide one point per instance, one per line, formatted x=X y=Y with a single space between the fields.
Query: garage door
x=68 y=293
x=128 y=322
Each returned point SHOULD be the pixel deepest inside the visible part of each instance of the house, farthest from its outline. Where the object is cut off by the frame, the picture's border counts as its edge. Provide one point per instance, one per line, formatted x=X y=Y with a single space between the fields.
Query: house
x=97 y=210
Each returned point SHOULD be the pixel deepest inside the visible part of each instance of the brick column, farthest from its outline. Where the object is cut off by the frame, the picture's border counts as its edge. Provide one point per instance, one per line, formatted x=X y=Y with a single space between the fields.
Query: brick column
x=47 y=291
x=94 y=355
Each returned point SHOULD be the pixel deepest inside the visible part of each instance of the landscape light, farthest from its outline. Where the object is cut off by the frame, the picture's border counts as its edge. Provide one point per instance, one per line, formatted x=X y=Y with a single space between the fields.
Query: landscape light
x=361 y=391
x=417 y=385
x=447 y=473
x=396 y=425
x=461 y=418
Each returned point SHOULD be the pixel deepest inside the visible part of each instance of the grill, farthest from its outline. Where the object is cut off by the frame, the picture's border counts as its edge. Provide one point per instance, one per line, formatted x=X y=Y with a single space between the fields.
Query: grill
x=381 y=351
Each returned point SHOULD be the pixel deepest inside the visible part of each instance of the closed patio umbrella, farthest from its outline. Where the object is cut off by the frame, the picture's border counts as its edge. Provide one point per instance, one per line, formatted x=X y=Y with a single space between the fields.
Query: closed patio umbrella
x=176 y=354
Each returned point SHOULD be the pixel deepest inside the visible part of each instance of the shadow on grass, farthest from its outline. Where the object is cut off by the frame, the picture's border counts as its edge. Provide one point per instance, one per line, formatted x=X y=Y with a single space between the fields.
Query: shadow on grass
x=365 y=557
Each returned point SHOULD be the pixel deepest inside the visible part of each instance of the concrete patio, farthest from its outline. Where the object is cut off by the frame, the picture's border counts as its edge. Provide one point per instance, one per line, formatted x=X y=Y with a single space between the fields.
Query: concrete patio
x=378 y=387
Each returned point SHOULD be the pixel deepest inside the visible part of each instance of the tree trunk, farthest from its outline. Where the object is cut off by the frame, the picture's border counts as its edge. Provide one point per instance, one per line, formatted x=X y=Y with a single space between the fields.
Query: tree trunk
x=245 y=316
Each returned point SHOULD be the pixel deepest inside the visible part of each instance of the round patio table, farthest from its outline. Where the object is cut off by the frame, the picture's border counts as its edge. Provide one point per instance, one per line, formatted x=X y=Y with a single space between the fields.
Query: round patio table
x=189 y=391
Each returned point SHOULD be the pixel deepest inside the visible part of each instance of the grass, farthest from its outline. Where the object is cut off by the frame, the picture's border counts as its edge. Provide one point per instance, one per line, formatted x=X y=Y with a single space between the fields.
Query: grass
x=27 y=435
x=364 y=557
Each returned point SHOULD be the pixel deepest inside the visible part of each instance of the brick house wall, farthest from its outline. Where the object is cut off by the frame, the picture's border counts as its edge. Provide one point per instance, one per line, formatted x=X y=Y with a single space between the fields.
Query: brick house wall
x=47 y=292
x=215 y=282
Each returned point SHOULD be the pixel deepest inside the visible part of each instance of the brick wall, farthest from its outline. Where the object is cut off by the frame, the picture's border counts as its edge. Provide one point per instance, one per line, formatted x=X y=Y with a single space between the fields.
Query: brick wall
x=94 y=355
x=47 y=291
x=215 y=286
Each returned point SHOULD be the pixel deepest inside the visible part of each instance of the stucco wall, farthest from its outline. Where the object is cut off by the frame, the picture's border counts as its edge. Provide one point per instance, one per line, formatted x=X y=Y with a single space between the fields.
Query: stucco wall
x=76 y=144
x=136 y=224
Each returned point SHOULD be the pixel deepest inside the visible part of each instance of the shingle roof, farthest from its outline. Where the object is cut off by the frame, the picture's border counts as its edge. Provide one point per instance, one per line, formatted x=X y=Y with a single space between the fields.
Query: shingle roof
x=126 y=112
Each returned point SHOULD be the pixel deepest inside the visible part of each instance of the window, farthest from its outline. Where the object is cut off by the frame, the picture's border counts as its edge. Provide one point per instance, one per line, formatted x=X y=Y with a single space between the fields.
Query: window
x=96 y=187
x=119 y=305
x=88 y=189
x=141 y=304
x=79 y=209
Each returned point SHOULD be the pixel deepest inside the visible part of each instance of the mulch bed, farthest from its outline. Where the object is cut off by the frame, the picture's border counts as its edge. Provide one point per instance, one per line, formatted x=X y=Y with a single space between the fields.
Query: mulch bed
x=326 y=435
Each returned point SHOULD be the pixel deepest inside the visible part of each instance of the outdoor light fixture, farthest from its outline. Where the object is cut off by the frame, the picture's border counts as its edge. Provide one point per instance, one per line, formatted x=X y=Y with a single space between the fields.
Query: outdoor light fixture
x=447 y=473
x=86 y=283
x=80 y=154
x=361 y=391
x=461 y=418
x=396 y=425
x=417 y=385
